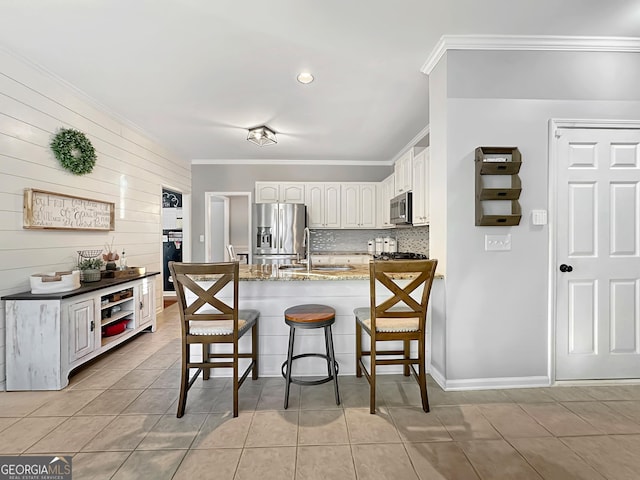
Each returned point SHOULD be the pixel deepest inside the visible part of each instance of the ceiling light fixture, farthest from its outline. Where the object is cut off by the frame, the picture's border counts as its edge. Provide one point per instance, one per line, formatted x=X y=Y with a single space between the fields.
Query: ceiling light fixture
x=305 y=77
x=262 y=136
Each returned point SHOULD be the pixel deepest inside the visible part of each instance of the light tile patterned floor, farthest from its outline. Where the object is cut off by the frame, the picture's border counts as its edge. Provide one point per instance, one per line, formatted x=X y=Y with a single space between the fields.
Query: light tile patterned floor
x=117 y=418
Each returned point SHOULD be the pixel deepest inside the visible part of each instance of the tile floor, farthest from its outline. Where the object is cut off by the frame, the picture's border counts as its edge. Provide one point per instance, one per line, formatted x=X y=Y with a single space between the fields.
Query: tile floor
x=117 y=419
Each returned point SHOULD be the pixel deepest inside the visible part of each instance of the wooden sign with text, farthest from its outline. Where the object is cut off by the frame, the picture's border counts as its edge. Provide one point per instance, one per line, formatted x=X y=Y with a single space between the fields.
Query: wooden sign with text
x=48 y=210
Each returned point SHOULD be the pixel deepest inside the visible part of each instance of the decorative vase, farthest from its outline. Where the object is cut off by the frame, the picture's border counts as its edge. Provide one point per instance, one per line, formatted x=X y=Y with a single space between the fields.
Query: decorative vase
x=111 y=266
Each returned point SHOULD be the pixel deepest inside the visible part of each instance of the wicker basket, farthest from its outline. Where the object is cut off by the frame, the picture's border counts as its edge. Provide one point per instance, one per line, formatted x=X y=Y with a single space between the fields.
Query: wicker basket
x=90 y=275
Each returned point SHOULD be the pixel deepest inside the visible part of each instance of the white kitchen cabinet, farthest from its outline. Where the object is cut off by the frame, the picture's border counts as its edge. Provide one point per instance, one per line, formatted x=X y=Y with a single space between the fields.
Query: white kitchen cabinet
x=323 y=205
x=351 y=259
x=403 y=172
x=280 y=192
x=340 y=259
x=386 y=191
x=49 y=335
x=82 y=328
x=358 y=205
x=146 y=302
x=420 y=192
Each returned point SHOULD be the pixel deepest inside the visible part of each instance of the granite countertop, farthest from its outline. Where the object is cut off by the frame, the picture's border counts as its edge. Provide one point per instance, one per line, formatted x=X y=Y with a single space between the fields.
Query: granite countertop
x=272 y=272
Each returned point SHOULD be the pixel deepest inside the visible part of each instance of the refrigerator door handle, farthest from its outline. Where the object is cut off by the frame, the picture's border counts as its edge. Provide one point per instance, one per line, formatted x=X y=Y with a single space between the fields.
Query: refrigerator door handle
x=281 y=224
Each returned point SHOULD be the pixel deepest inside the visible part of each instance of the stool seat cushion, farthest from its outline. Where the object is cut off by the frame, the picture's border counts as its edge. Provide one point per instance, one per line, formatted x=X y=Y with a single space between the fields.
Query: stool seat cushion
x=309 y=313
x=246 y=319
x=386 y=324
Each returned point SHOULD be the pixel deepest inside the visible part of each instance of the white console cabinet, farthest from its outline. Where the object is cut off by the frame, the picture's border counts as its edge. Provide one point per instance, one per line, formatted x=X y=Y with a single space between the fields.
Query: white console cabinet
x=48 y=335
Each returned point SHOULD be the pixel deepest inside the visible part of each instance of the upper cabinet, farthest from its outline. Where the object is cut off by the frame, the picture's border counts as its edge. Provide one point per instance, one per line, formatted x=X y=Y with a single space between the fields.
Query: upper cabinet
x=386 y=191
x=358 y=205
x=403 y=173
x=279 y=192
x=323 y=205
x=420 y=196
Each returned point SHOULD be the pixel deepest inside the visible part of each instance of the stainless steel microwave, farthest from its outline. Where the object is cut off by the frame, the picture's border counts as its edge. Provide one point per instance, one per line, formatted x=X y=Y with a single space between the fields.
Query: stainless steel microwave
x=401 y=209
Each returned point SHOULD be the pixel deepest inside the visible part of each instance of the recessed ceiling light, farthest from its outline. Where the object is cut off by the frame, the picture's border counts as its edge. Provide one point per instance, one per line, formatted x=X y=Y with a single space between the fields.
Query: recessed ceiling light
x=305 y=77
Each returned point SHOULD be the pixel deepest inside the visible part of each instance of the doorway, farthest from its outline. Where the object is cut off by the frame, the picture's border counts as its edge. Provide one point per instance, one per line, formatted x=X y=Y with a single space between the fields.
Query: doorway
x=175 y=234
x=227 y=222
x=595 y=266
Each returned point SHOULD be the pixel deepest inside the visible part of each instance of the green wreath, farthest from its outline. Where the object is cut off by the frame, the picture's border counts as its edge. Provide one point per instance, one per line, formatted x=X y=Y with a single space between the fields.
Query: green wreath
x=74 y=151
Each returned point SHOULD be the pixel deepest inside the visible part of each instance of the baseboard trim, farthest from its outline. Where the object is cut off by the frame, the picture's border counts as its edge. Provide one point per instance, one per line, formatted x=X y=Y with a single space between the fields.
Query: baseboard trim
x=488 y=383
x=438 y=377
x=597 y=382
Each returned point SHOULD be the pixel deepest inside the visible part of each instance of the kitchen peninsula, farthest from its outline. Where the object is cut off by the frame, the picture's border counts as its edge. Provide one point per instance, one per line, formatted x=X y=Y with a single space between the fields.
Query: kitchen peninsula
x=272 y=290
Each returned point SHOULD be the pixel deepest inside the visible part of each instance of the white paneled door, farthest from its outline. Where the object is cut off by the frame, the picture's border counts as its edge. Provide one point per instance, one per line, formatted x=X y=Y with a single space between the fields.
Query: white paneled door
x=598 y=253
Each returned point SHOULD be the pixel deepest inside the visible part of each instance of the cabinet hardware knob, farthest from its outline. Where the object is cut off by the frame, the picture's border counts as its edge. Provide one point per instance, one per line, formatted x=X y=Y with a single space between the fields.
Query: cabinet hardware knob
x=566 y=268
x=141 y=305
x=93 y=326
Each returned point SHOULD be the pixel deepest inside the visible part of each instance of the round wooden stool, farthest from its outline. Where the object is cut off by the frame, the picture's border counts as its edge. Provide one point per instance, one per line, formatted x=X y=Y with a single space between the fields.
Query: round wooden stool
x=310 y=316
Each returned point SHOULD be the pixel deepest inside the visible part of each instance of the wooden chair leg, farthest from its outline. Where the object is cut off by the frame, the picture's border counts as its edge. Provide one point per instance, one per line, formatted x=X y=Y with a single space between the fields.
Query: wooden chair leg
x=372 y=381
x=407 y=355
x=184 y=381
x=254 y=351
x=358 y=350
x=206 y=372
x=422 y=375
x=235 y=379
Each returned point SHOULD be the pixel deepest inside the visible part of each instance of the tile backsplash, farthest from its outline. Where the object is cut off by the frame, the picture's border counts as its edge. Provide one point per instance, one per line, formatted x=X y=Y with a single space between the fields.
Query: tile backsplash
x=409 y=239
x=413 y=239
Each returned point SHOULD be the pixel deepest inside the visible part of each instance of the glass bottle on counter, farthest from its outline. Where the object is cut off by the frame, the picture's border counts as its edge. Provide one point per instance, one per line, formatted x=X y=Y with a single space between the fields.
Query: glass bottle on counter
x=123 y=261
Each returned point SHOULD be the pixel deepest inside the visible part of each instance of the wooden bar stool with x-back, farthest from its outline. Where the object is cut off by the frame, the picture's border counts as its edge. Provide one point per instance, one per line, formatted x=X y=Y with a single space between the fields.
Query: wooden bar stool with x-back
x=310 y=316
x=399 y=317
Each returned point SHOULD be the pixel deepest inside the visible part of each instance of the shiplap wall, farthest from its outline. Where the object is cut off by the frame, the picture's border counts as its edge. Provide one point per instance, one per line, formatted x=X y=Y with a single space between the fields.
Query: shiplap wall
x=130 y=171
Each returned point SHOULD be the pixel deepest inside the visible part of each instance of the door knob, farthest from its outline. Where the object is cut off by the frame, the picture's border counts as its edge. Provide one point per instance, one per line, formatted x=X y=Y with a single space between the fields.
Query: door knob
x=566 y=268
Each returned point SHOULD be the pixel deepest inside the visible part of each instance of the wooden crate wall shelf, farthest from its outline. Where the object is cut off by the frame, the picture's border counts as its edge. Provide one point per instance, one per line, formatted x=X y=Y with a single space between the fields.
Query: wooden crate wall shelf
x=498 y=161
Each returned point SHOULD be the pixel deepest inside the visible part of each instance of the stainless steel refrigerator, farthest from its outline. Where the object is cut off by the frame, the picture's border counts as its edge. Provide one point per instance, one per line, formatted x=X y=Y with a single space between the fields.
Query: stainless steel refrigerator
x=278 y=232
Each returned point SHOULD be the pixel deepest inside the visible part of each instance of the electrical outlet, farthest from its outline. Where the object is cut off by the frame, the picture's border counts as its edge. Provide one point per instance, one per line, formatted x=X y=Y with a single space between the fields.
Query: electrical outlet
x=493 y=243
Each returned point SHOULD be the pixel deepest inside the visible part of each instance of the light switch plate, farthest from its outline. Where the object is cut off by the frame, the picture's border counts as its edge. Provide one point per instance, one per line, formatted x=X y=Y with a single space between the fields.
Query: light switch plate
x=493 y=243
x=539 y=217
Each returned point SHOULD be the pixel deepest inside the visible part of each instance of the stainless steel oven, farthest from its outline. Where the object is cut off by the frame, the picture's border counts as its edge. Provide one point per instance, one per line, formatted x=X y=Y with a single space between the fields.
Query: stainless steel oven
x=401 y=209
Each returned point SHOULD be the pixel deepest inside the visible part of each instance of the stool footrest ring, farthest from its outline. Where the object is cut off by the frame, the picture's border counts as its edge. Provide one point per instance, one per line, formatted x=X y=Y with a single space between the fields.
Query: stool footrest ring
x=309 y=382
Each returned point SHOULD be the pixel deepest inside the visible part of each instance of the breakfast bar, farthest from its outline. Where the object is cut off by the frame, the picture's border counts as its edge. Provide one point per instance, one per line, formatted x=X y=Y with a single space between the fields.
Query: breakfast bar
x=272 y=289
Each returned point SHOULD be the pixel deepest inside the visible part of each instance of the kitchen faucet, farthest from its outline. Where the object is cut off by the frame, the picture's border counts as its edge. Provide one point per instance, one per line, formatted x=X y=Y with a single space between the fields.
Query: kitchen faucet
x=307 y=240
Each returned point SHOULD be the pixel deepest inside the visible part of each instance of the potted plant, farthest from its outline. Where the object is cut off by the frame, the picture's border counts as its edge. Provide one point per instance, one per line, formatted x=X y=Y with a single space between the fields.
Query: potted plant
x=90 y=269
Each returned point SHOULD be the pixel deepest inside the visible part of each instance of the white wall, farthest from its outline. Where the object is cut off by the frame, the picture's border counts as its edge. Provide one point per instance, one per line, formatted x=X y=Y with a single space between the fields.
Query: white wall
x=239 y=223
x=496 y=302
x=438 y=202
x=130 y=171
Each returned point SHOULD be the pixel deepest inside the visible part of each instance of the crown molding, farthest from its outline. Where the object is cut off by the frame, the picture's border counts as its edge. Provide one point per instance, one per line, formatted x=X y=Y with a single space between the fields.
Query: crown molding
x=269 y=162
x=412 y=143
x=529 y=42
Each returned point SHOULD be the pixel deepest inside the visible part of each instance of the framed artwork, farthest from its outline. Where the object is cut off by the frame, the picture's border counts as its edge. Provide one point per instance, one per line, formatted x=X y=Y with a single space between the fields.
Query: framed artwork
x=57 y=211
